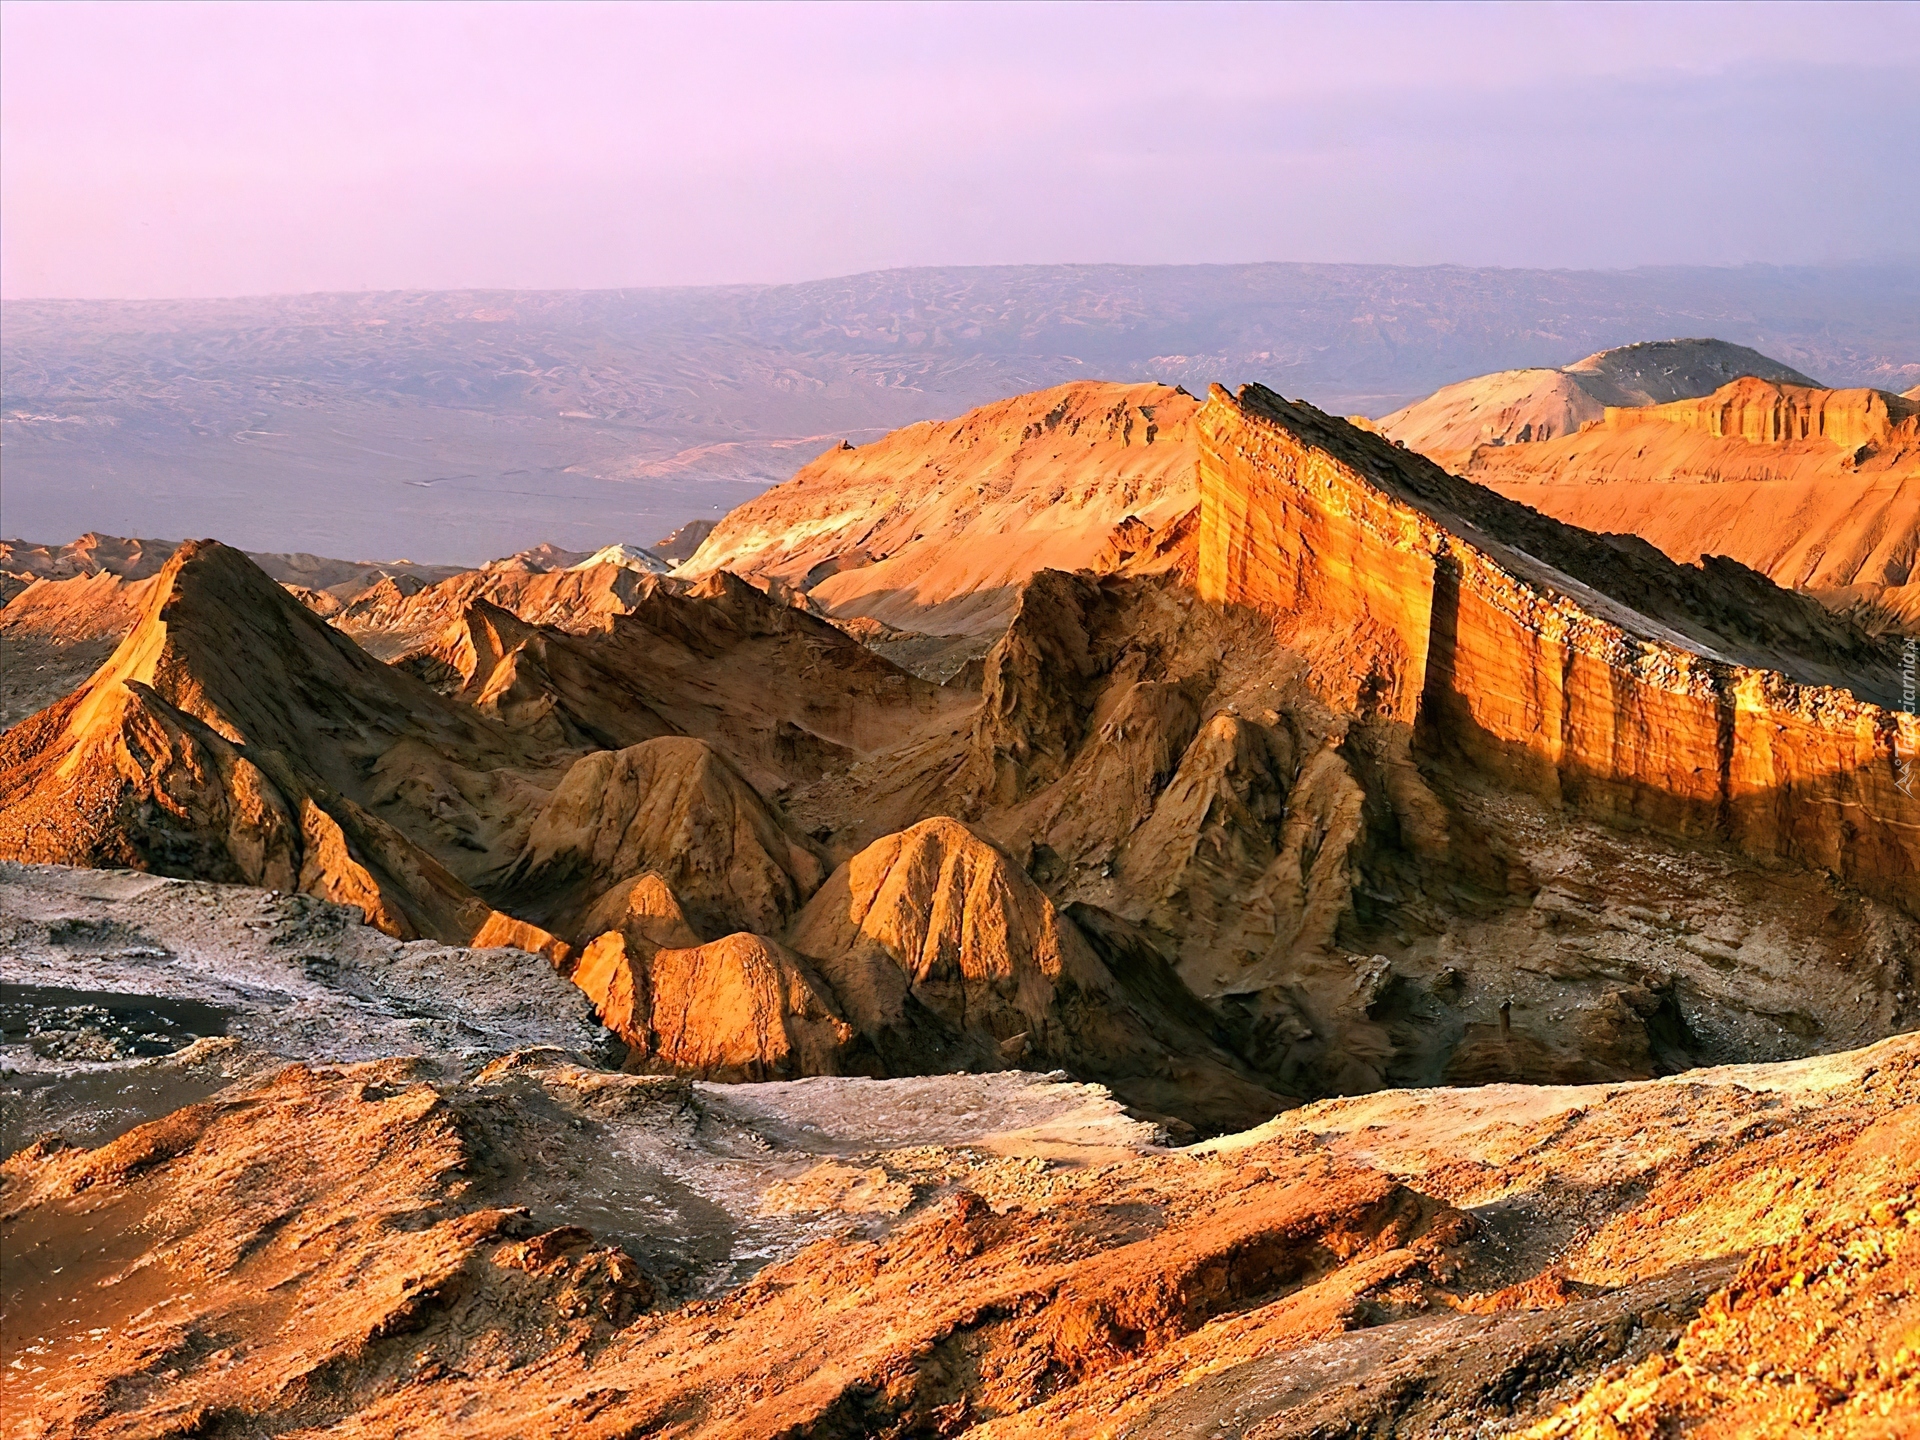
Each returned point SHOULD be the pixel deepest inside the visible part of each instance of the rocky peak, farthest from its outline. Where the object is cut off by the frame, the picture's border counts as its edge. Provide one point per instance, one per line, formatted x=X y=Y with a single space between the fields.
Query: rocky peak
x=1601 y=676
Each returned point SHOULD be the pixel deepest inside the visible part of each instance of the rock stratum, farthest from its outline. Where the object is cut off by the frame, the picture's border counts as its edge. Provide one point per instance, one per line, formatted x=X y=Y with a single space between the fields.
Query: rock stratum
x=1275 y=785
x=1518 y=407
x=1640 y=705
x=1324 y=773
x=934 y=527
x=1699 y=447
x=1817 y=489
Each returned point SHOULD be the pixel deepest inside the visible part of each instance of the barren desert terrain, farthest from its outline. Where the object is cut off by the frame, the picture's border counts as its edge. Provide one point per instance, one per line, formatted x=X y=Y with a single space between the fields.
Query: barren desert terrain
x=451 y=427
x=1127 y=912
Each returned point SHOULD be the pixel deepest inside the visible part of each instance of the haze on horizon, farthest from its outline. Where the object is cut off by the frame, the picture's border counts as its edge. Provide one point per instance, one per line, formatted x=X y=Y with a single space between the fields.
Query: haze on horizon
x=203 y=150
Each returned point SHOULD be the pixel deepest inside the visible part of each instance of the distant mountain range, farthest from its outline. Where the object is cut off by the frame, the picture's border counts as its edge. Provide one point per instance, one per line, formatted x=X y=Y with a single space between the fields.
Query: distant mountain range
x=451 y=426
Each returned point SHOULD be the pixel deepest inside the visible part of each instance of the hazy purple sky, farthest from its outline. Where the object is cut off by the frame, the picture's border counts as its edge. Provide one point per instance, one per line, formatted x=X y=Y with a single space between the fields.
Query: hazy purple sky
x=172 y=150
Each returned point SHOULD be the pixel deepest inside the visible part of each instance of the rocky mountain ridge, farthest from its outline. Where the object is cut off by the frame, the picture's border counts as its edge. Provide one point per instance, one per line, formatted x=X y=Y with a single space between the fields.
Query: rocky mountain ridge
x=1517 y=407
x=1248 y=769
x=608 y=1003
x=64 y=608
x=1817 y=489
x=933 y=527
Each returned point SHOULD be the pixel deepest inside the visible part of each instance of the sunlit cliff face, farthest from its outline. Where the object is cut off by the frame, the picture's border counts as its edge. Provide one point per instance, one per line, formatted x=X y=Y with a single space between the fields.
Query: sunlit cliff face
x=1220 y=984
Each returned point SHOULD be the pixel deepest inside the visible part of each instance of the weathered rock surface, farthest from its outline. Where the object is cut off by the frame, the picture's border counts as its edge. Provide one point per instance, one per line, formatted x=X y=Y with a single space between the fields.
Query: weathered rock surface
x=233 y=736
x=625 y=557
x=87 y=595
x=646 y=913
x=391 y=619
x=138 y=559
x=695 y=663
x=1518 y=407
x=944 y=955
x=54 y=633
x=680 y=545
x=1817 y=489
x=310 y=766
x=1542 y=655
x=538 y=559
x=738 y=1008
x=92 y=554
x=124 y=996
x=1364 y=910
x=1343 y=774
x=525 y=1249
x=1352 y=775
x=675 y=808
x=932 y=528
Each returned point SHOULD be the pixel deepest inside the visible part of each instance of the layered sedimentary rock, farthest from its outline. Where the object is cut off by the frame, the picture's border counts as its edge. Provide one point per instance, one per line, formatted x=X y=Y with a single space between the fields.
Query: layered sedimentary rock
x=933 y=527
x=1817 y=489
x=1482 y=631
x=1519 y=407
x=1877 y=427
x=1353 y=776
x=1236 y=788
x=1301 y=771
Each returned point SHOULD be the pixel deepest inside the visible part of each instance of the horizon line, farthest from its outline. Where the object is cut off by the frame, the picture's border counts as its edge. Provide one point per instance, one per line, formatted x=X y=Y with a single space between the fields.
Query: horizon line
x=1900 y=261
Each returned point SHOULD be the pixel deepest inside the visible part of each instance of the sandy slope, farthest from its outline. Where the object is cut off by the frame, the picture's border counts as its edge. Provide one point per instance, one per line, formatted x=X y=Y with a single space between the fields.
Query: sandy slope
x=1817 y=489
x=933 y=527
x=1518 y=407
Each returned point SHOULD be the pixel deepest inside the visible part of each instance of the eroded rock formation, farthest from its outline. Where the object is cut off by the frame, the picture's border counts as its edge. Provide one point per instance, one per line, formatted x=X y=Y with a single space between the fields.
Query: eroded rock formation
x=501 y=1253
x=676 y=809
x=1278 y=789
x=1817 y=489
x=1488 y=635
x=934 y=527
x=1519 y=407
x=234 y=736
x=738 y=1008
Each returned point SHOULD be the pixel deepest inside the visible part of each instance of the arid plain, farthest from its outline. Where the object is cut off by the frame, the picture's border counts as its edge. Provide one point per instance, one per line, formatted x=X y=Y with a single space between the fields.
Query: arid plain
x=1141 y=908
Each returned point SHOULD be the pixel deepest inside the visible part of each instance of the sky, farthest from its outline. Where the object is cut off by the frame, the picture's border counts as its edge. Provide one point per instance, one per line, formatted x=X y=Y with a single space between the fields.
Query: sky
x=176 y=150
